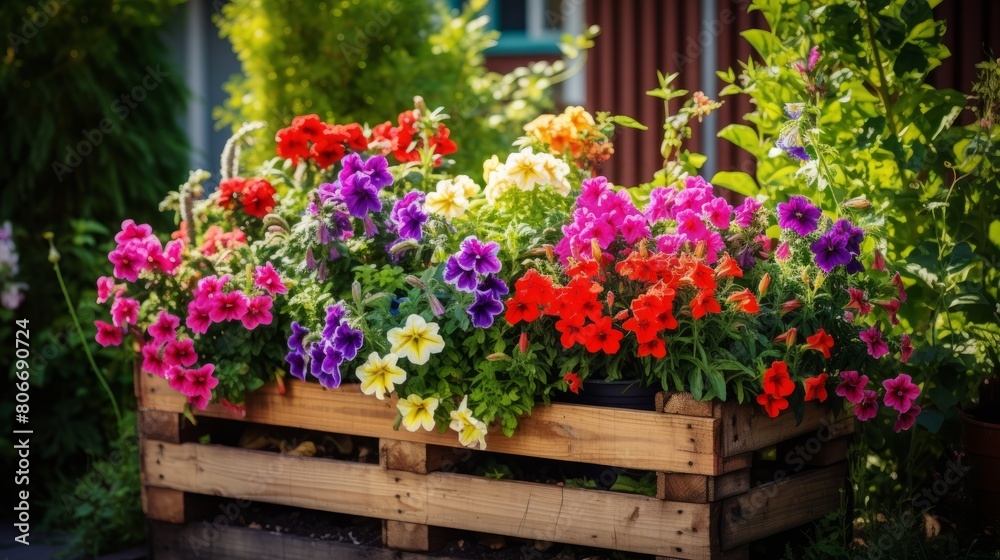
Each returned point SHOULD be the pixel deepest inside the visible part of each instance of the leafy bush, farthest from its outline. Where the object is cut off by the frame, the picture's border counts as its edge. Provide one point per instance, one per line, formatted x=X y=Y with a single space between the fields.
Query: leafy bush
x=81 y=147
x=360 y=61
x=843 y=113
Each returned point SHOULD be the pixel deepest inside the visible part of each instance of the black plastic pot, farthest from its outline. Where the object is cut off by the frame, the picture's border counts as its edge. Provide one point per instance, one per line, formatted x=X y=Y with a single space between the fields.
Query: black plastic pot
x=621 y=393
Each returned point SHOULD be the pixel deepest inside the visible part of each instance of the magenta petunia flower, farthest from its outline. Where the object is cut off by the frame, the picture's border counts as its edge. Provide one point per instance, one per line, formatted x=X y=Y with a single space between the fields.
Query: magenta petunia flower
x=266 y=278
x=892 y=308
x=669 y=244
x=691 y=226
x=199 y=402
x=661 y=204
x=813 y=57
x=151 y=360
x=107 y=334
x=905 y=420
x=230 y=306
x=635 y=228
x=905 y=348
x=171 y=257
x=745 y=212
x=718 y=212
x=868 y=407
x=799 y=215
x=211 y=285
x=859 y=301
x=594 y=192
x=784 y=252
x=258 y=312
x=124 y=311
x=180 y=353
x=897 y=280
x=164 y=329
x=199 y=382
x=599 y=228
x=129 y=260
x=199 y=317
x=105 y=285
x=851 y=386
x=877 y=347
x=900 y=392
x=132 y=231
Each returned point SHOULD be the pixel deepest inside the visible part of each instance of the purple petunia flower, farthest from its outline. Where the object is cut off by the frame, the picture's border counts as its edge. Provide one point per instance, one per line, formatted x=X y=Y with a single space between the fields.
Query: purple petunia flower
x=454 y=274
x=375 y=168
x=317 y=353
x=830 y=251
x=484 y=309
x=854 y=266
x=334 y=315
x=746 y=258
x=855 y=235
x=785 y=144
x=360 y=196
x=799 y=215
x=296 y=364
x=408 y=216
x=493 y=285
x=348 y=341
x=478 y=256
x=331 y=360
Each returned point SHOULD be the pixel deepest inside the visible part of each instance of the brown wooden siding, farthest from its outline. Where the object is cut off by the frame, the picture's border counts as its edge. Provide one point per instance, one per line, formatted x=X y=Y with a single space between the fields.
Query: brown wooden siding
x=639 y=37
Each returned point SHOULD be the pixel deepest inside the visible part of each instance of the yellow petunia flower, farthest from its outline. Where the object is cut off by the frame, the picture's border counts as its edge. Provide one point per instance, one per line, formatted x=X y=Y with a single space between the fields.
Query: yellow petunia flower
x=525 y=169
x=471 y=432
x=416 y=340
x=447 y=200
x=379 y=376
x=417 y=412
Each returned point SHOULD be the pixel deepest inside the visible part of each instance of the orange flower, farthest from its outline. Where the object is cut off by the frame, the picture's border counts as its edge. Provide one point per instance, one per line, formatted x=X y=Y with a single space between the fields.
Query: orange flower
x=777 y=381
x=573 y=381
x=745 y=301
x=772 y=405
x=821 y=342
x=816 y=387
x=788 y=337
x=762 y=287
x=728 y=267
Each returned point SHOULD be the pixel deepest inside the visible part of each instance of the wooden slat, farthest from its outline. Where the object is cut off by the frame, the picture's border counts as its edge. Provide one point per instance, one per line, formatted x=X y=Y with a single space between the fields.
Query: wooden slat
x=684 y=403
x=160 y=425
x=748 y=428
x=416 y=458
x=598 y=435
x=813 y=452
x=184 y=542
x=163 y=504
x=780 y=505
x=518 y=509
x=701 y=489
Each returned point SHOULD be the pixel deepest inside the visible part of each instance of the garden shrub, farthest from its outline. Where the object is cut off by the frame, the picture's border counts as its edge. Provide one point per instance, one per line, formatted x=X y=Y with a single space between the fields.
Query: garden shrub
x=81 y=149
x=358 y=61
x=844 y=114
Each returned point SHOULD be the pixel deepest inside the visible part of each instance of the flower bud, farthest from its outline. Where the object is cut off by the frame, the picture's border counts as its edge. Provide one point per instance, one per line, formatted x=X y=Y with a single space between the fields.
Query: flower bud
x=356 y=292
x=436 y=307
x=790 y=305
x=879 y=261
x=765 y=282
x=498 y=357
x=595 y=251
x=788 y=337
x=522 y=343
x=857 y=202
x=415 y=282
x=439 y=255
x=550 y=253
x=699 y=250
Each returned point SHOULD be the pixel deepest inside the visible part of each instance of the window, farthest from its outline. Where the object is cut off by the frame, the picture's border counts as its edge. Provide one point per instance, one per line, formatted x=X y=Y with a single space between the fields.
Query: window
x=530 y=26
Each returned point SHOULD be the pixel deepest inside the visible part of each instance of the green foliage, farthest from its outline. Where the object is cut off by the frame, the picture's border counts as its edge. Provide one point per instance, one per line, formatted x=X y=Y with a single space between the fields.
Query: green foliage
x=846 y=83
x=357 y=61
x=64 y=73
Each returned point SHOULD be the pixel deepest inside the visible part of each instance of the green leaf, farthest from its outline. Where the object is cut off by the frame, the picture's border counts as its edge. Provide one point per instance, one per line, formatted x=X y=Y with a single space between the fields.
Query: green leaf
x=890 y=32
x=994 y=233
x=764 y=42
x=870 y=131
x=718 y=384
x=931 y=419
x=743 y=136
x=736 y=181
x=628 y=122
x=911 y=58
x=915 y=12
x=696 y=383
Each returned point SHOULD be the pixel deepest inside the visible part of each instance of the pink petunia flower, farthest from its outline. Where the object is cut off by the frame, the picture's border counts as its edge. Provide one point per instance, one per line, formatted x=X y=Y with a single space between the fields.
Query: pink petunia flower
x=868 y=407
x=905 y=348
x=199 y=382
x=813 y=57
x=151 y=360
x=107 y=334
x=131 y=231
x=876 y=345
x=905 y=420
x=897 y=280
x=199 y=402
x=859 y=301
x=784 y=252
x=891 y=307
x=718 y=212
x=691 y=226
x=129 y=260
x=180 y=353
x=199 y=317
x=105 y=285
x=267 y=279
x=170 y=257
x=230 y=306
x=164 y=329
x=851 y=386
x=258 y=312
x=878 y=262
x=900 y=392
x=124 y=311
x=210 y=286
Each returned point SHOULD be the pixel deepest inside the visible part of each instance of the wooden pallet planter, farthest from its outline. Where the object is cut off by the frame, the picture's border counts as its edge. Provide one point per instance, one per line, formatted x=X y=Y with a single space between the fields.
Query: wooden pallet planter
x=706 y=506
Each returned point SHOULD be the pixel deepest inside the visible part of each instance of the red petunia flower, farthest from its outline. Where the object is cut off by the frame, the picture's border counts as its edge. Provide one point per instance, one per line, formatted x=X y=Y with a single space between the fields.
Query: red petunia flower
x=573 y=381
x=704 y=302
x=655 y=347
x=258 y=198
x=777 y=382
x=518 y=310
x=571 y=329
x=727 y=267
x=821 y=342
x=601 y=336
x=644 y=325
x=292 y=144
x=745 y=301
x=816 y=387
x=772 y=405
